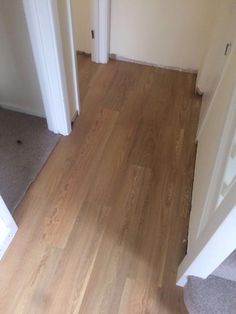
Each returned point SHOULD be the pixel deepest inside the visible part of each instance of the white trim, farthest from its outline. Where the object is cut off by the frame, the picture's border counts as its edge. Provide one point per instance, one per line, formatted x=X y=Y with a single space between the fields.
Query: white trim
x=104 y=30
x=216 y=242
x=220 y=164
x=73 y=56
x=204 y=121
x=156 y=65
x=94 y=27
x=101 y=15
x=44 y=30
x=216 y=234
x=16 y=108
x=7 y=226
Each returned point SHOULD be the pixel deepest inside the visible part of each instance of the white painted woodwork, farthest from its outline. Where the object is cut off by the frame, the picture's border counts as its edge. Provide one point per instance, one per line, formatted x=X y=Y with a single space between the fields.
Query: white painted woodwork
x=213 y=151
x=212 y=232
x=69 y=55
x=43 y=24
x=210 y=74
x=215 y=243
x=100 y=23
x=230 y=174
x=8 y=228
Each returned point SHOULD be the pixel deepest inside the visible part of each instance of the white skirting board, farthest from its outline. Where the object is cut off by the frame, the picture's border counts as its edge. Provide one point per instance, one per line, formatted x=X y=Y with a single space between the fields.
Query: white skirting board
x=125 y=59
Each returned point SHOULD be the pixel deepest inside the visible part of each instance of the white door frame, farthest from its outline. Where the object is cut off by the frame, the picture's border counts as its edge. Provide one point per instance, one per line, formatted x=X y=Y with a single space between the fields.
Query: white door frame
x=73 y=55
x=8 y=228
x=216 y=240
x=44 y=30
x=100 y=25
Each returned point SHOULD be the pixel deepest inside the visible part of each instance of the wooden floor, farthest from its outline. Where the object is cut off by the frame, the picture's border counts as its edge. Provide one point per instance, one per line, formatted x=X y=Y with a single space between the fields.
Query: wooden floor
x=104 y=227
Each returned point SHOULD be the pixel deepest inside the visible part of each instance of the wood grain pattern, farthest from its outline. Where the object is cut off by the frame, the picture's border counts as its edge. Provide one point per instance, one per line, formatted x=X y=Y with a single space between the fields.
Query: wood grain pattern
x=103 y=227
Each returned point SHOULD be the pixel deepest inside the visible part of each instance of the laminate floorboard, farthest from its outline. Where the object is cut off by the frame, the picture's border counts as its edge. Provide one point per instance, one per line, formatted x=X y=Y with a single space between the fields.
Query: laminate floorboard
x=103 y=228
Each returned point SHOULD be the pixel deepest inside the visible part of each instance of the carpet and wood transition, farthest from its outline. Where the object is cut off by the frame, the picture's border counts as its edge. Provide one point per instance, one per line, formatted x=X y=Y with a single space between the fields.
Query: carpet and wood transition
x=216 y=294
x=25 y=144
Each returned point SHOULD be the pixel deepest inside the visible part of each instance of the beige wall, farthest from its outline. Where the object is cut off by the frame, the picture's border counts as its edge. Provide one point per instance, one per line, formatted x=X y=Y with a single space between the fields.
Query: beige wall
x=164 y=32
x=81 y=21
x=19 y=86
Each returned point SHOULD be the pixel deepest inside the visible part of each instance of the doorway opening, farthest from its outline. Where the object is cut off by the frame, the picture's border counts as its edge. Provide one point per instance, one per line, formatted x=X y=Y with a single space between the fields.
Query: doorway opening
x=91 y=24
x=90 y=21
x=25 y=141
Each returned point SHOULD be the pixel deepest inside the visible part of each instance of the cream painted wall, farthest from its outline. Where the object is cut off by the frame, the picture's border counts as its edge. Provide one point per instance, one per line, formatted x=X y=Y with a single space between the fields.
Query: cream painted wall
x=171 y=33
x=81 y=21
x=19 y=86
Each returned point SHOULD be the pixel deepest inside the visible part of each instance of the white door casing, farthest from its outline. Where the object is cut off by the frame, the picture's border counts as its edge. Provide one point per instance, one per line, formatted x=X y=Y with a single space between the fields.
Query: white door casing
x=210 y=75
x=217 y=240
x=212 y=232
x=44 y=30
x=43 y=20
x=8 y=228
x=69 y=54
x=74 y=56
x=100 y=25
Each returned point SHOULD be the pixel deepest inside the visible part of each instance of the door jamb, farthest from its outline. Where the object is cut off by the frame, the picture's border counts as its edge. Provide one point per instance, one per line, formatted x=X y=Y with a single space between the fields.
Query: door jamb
x=221 y=222
x=73 y=56
x=8 y=228
x=44 y=30
x=100 y=24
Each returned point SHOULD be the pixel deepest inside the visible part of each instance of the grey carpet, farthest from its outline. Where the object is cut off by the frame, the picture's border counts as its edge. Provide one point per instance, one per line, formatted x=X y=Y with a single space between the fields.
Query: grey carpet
x=25 y=144
x=227 y=269
x=213 y=295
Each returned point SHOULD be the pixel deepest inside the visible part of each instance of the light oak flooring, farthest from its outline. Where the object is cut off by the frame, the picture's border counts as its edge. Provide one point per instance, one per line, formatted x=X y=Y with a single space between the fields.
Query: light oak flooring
x=104 y=226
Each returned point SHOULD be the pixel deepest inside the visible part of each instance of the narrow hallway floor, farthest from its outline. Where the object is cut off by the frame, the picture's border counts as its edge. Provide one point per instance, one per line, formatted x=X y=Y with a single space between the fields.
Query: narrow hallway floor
x=103 y=229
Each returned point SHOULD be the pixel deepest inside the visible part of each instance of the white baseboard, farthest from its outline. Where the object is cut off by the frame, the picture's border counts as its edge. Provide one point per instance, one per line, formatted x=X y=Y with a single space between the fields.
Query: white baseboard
x=16 y=108
x=121 y=58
